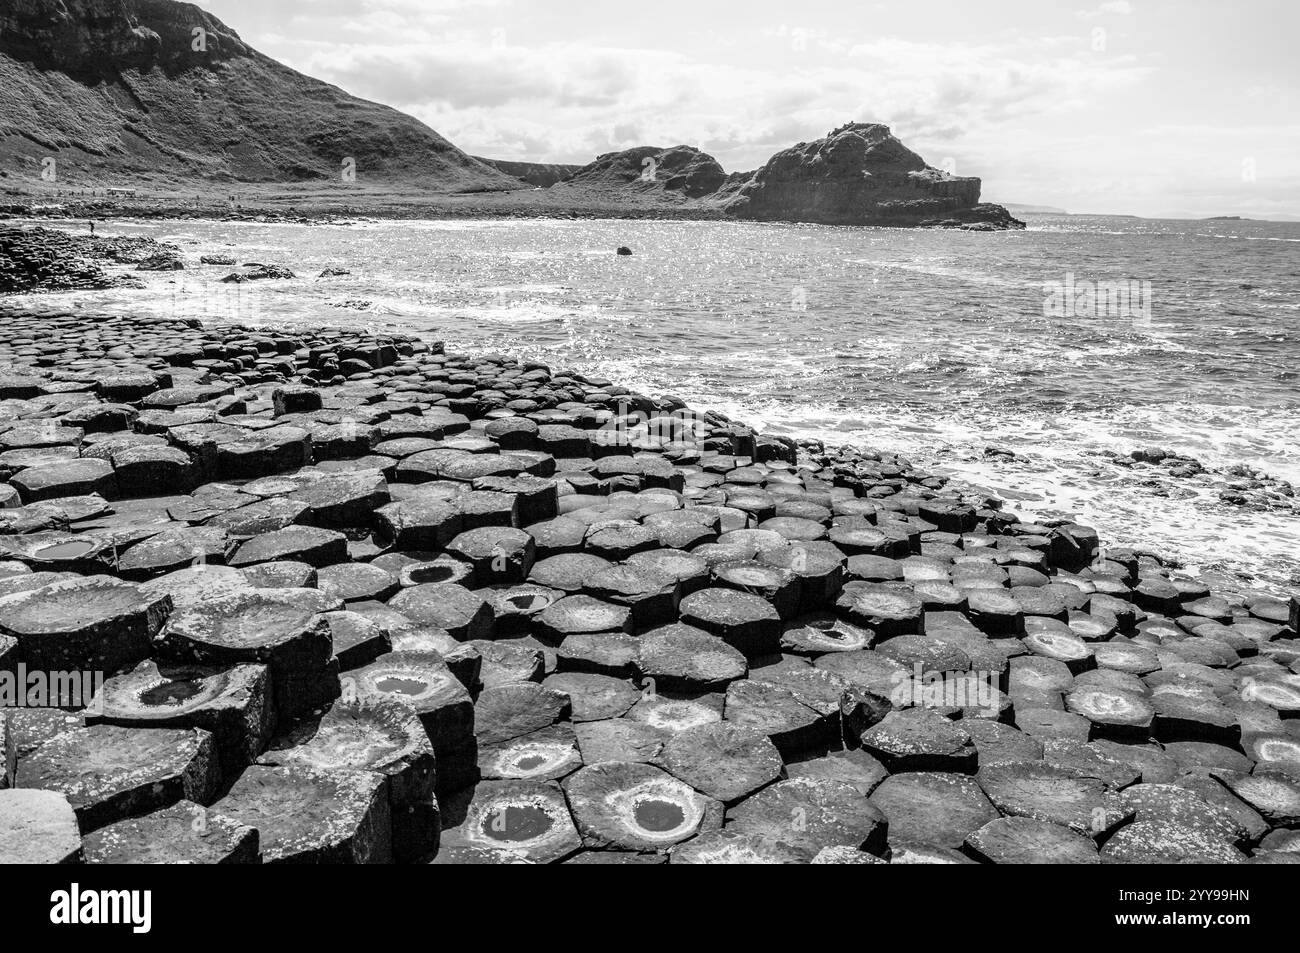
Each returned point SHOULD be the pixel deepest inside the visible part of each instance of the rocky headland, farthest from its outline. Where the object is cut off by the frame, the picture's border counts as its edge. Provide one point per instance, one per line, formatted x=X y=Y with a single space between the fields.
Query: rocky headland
x=352 y=598
x=166 y=105
x=860 y=174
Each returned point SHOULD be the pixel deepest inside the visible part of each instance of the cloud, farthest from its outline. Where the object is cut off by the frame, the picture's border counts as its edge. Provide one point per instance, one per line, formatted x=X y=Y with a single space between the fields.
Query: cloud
x=1038 y=104
x=562 y=101
x=1112 y=8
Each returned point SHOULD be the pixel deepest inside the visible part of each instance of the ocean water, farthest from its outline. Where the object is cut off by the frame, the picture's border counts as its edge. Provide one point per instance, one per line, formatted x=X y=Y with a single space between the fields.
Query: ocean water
x=934 y=343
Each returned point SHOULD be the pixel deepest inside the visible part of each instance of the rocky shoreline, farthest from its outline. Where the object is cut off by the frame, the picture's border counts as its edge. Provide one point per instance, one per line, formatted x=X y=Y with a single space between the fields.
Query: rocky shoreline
x=48 y=259
x=350 y=598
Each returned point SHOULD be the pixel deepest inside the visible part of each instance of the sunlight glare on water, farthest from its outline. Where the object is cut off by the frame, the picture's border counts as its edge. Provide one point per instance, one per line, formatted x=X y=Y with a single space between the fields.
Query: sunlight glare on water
x=934 y=343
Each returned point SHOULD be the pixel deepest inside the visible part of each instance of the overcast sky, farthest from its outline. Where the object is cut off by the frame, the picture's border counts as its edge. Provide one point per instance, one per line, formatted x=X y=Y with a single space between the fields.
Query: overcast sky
x=1150 y=107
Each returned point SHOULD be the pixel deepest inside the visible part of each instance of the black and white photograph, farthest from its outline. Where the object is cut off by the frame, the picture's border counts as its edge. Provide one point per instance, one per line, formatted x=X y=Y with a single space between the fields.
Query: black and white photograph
x=530 y=432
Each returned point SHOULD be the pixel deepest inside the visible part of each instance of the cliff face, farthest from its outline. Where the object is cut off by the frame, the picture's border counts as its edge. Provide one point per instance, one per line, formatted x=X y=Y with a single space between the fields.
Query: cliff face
x=103 y=36
x=126 y=92
x=859 y=175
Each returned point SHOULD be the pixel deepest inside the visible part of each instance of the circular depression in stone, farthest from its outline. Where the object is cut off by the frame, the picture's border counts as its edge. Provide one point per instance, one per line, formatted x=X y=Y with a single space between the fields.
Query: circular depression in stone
x=408 y=682
x=171 y=692
x=368 y=739
x=658 y=810
x=530 y=602
x=533 y=759
x=399 y=685
x=674 y=716
x=71 y=549
x=835 y=635
x=517 y=822
x=244 y=621
x=162 y=691
x=422 y=574
x=658 y=815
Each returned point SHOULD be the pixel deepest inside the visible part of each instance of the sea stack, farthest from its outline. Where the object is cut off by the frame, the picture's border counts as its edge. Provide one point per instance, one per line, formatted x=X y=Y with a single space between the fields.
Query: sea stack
x=860 y=174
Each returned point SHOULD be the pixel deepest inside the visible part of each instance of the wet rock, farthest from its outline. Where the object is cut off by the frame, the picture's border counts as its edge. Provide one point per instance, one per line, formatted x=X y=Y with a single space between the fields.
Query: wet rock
x=418 y=570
